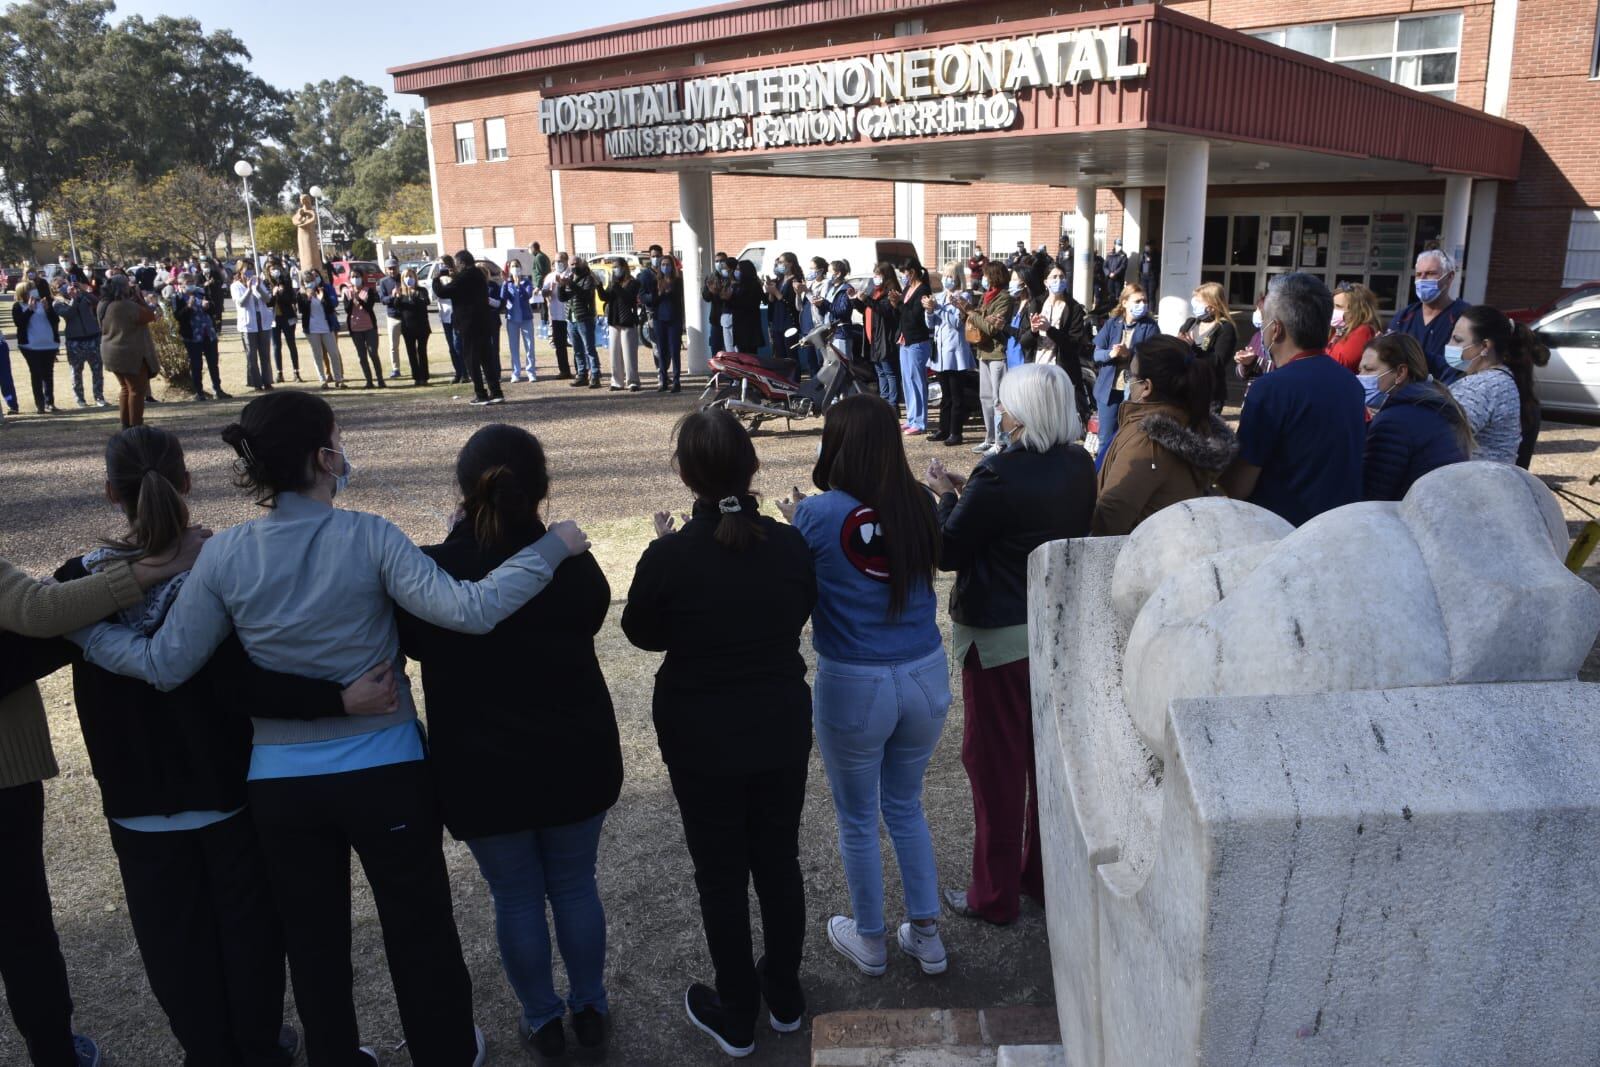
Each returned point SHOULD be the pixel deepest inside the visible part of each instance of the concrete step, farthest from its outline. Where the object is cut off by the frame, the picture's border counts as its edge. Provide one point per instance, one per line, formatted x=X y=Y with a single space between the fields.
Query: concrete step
x=914 y=1037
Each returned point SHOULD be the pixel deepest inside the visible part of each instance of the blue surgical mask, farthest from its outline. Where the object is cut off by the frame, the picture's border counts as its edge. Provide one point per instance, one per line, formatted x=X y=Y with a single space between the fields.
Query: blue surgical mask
x=781 y=269
x=723 y=271
x=814 y=275
x=1197 y=307
x=666 y=267
x=949 y=284
x=1137 y=308
x=1427 y=290
x=1369 y=386
x=1255 y=318
x=905 y=279
x=1015 y=289
x=341 y=481
x=1456 y=356
x=1058 y=286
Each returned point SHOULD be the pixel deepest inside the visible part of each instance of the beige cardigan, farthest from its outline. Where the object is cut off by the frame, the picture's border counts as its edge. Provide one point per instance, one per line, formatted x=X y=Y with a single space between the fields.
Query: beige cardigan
x=33 y=609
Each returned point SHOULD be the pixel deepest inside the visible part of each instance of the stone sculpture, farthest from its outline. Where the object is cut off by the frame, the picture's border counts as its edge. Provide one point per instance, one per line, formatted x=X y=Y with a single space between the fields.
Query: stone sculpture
x=309 y=236
x=1327 y=795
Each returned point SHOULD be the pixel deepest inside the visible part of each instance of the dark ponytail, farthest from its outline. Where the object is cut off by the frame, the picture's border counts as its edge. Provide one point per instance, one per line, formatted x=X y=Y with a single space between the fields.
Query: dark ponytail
x=1179 y=374
x=713 y=455
x=503 y=479
x=277 y=439
x=1519 y=350
x=145 y=468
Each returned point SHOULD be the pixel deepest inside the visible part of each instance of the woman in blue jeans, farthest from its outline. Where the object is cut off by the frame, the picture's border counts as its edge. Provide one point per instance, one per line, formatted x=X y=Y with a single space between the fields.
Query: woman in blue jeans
x=882 y=685
x=525 y=774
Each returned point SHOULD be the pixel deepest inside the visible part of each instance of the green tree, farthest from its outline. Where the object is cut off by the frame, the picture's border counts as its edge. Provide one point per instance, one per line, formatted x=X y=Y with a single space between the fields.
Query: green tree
x=105 y=207
x=401 y=161
x=276 y=233
x=333 y=124
x=191 y=207
x=410 y=210
x=361 y=248
x=57 y=104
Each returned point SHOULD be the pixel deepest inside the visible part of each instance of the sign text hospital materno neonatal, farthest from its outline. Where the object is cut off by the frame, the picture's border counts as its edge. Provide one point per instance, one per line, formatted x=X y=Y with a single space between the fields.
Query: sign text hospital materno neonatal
x=920 y=92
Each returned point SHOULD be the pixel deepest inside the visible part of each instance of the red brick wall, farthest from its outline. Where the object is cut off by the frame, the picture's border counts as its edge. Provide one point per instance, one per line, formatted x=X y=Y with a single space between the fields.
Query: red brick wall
x=1551 y=95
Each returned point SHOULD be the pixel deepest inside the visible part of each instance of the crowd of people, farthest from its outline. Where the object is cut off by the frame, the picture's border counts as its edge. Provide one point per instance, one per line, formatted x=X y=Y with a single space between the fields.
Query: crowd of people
x=233 y=830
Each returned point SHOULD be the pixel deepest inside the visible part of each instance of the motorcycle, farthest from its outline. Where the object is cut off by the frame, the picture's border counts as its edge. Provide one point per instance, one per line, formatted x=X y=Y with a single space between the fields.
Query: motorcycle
x=758 y=390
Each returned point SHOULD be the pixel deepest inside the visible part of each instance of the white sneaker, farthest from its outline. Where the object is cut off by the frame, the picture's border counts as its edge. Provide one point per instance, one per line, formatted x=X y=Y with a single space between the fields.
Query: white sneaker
x=924 y=945
x=867 y=953
x=982 y=447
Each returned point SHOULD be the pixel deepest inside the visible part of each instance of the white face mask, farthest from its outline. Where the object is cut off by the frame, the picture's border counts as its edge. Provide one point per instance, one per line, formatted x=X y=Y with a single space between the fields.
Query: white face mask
x=1255 y=318
x=1197 y=307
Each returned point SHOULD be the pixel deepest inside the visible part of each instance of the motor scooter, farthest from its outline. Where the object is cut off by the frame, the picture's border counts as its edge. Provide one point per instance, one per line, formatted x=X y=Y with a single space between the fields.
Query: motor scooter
x=758 y=390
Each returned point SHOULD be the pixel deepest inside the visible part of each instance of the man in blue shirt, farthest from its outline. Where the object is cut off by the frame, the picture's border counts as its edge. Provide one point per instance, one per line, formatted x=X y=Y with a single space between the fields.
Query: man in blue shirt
x=1434 y=314
x=1303 y=426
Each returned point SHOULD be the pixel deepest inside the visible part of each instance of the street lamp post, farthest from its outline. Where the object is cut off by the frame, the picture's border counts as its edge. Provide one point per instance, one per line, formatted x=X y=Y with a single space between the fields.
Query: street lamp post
x=243 y=169
x=316 y=202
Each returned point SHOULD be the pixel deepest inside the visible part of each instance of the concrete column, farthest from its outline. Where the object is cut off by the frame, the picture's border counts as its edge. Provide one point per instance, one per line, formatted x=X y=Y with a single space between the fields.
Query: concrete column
x=1083 y=247
x=1457 y=201
x=1502 y=42
x=910 y=222
x=1183 y=230
x=558 y=212
x=1132 y=232
x=1485 y=196
x=694 y=206
x=433 y=182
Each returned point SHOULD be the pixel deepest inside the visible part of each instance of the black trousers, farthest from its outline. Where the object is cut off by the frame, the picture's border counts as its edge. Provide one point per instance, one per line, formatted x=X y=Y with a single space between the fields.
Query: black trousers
x=42 y=373
x=558 y=337
x=209 y=937
x=417 y=355
x=366 y=342
x=483 y=360
x=31 y=966
x=740 y=828
x=387 y=814
x=283 y=337
x=956 y=388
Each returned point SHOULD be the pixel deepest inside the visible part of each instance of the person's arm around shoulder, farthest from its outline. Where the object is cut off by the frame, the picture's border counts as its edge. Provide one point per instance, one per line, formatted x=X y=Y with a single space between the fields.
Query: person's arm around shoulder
x=39 y=609
x=420 y=586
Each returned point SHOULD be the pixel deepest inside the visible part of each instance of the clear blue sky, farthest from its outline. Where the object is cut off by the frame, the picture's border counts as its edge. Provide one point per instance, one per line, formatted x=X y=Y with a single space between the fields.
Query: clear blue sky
x=293 y=44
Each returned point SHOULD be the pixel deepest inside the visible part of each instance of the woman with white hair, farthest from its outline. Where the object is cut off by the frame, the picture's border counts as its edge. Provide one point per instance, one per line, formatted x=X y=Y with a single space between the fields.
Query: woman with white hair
x=1040 y=487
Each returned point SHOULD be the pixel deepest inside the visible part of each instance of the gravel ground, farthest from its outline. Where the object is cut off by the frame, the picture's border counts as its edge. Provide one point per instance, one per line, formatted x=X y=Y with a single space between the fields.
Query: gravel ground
x=609 y=459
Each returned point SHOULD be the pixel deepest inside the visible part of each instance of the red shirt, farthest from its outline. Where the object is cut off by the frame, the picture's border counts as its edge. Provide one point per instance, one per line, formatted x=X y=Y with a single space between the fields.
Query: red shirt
x=1347 y=350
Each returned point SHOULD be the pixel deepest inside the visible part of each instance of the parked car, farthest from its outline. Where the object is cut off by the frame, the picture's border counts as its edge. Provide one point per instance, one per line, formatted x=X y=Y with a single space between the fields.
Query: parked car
x=1532 y=315
x=1571 y=380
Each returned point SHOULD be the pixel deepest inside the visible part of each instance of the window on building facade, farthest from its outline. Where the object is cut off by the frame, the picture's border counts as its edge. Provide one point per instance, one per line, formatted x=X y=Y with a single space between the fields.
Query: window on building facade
x=957 y=235
x=908 y=28
x=1419 y=52
x=621 y=234
x=1594 y=55
x=841 y=227
x=466 y=150
x=505 y=236
x=583 y=240
x=1583 y=248
x=1006 y=230
x=1102 y=223
x=472 y=238
x=789 y=229
x=494 y=139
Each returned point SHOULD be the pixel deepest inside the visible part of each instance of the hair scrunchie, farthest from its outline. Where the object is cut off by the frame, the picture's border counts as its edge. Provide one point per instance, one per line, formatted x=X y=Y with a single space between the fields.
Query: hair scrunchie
x=729 y=505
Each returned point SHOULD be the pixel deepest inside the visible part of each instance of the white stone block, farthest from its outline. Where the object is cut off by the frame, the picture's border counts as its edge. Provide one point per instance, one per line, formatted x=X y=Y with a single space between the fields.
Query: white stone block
x=1303 y=838
x=1031 y=1056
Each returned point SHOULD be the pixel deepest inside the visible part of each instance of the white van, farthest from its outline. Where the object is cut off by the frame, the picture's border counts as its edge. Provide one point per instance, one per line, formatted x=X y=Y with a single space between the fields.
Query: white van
x=862 y=253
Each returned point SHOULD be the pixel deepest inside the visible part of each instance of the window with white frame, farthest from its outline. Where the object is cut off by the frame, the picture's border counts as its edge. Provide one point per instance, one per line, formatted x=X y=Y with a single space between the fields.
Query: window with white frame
x=1583 y=248
x=621 y=234
x=1006 y=230
x=466 y=149
x=583 y=240
x=494 y=139
x=1101 y=227
x=505 y=236
x=957 y=237
x=1419 y=51
x=845 y=226
x=789 y=229
x=472 y=238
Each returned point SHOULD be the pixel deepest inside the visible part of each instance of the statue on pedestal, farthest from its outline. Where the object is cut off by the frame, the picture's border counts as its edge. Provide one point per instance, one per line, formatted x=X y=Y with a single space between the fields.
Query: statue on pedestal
x=305 y=219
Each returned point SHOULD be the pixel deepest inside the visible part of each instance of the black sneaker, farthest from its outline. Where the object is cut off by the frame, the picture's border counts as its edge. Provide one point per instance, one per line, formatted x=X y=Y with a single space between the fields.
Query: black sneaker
x=785 y=1009
x=548 y=1042
x=220 y=395
x=590 y=1027
x=707 y=1014
x=579 y=383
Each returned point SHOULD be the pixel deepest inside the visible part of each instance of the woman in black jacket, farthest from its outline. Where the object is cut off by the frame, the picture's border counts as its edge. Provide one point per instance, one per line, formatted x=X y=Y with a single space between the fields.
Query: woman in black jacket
x=410 y=302
x=880 y=318
x=733 y=718
x=1062 y=332
x=577 y=293
x=285 y=313
x=38 y=321
x=621 y=297
x=1040 y=488
x=744 y=304
x=525 y=775
x=171 y=767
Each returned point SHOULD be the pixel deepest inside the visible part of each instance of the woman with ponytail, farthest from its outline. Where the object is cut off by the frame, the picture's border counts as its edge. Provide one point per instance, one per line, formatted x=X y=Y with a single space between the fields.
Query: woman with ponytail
x=883 y=682
x=525 y=775
x=322 y=787
x=171 y=768
x=1496 y=357
x=732 y=716
x=1170 y=444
